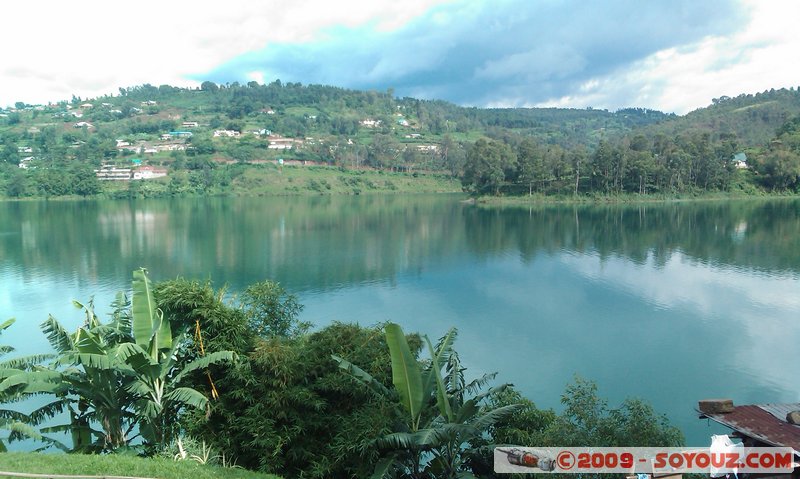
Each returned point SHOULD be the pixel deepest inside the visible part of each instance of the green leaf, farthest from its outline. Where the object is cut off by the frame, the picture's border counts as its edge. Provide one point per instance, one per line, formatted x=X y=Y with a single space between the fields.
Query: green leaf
x=5 y=324
x=204 y=362
x=361 y=375
x=490 y=418
x=440 y=357
x=382 y=467
x=441 y=393
x=188 y=396
x=58 y=337
x=25 y=430
x=36 y=381
x=150 y=331
x=406 y=375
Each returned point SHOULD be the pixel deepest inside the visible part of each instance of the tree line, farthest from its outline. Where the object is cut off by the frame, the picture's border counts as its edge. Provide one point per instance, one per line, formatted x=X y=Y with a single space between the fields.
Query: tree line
x=640 y=164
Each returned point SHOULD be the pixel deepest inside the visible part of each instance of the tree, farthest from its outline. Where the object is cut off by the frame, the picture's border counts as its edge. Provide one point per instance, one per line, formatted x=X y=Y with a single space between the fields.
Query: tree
x=441 y=421
x=531 y=165
x=17 y=184
x=488 y=165
x=587 y=421
x=779 y=169
x=272 y=311
x=118 y=375
x=209 y=86
x=84 y=181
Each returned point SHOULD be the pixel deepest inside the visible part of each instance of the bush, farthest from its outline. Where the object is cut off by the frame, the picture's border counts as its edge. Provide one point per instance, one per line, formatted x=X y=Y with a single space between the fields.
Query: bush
x=292 y=410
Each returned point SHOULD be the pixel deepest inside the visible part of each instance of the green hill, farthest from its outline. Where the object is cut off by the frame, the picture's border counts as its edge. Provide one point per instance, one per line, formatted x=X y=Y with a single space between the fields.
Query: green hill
x=201 y=138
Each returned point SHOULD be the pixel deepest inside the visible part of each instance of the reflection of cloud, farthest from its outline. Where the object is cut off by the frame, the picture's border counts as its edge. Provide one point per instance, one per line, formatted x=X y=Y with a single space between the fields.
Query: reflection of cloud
x=751 y=316
x=683 y=282
x=672 y=333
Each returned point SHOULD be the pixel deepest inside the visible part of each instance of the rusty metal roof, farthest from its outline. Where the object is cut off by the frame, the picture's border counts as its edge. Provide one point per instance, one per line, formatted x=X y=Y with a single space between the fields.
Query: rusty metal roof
x=765 y=423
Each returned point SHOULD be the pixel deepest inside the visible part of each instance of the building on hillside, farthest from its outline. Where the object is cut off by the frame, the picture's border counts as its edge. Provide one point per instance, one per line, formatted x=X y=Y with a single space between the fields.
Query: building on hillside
x=370 y=123
x=83 y=124
x=171 y=147
x=148 y=173
x=280 y=143
x=189 y=124
x=740 y=161
x=112 y=173
x=179 y=134
x=226 y=133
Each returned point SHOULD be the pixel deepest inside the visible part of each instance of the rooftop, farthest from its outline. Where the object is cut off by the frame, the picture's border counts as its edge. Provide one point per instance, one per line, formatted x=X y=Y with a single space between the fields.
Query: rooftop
x=765 y=423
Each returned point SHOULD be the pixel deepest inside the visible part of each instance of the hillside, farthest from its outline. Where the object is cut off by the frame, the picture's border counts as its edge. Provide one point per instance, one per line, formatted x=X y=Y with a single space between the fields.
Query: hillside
x=751 y=119
x=198 y=138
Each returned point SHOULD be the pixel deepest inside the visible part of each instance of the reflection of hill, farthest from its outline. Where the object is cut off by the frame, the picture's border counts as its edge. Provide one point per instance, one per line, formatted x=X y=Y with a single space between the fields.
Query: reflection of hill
x=326 y=242
x=759 y=235
x=307 y=243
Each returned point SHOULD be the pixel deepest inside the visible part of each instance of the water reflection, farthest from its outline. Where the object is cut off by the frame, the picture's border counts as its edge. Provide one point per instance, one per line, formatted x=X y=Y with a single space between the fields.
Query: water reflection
x=670 y=302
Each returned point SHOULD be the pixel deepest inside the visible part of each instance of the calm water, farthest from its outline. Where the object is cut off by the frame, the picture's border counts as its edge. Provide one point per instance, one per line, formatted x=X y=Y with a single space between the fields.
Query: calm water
x=671 y=303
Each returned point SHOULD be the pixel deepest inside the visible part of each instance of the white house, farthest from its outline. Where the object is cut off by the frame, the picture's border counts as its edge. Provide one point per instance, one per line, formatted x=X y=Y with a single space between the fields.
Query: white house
x=228 y=133
x=740 y=161
x=112 y=173
x=148 y=173
x=369 y=123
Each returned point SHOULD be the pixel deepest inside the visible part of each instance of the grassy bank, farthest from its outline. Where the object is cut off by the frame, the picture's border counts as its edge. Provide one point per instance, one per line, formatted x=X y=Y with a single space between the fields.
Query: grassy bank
x=117 y=465
x=270 y=180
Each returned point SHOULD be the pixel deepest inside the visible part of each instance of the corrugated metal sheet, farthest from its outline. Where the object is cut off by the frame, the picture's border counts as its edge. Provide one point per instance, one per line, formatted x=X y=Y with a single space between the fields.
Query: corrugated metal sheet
x=762 y=423
x=780 y=410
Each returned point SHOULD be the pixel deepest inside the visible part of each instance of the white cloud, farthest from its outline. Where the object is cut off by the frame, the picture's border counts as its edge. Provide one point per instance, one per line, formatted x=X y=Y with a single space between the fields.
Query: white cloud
x=758 y=57
x=54 y=49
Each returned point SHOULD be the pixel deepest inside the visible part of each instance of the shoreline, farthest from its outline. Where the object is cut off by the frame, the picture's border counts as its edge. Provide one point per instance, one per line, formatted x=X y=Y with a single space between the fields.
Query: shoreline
x=525 y=201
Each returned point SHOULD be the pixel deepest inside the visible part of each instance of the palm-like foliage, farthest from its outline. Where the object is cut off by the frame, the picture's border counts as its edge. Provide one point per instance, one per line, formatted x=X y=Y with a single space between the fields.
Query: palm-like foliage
x=17 y=424
x=441 y=417
x=116 y=375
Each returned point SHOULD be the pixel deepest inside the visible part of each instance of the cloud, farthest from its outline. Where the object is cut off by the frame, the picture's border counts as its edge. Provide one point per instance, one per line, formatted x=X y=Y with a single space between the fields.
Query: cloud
x=672 y=55
x=53 y=49
x=750 y=57
x=508 y=53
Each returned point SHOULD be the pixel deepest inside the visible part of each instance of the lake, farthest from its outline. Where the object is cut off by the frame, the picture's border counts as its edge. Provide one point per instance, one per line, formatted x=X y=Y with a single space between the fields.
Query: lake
x=668 y=302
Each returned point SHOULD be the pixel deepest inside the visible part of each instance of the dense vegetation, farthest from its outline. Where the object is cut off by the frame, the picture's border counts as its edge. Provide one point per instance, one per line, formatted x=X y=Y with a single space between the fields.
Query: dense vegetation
x=245 y=383
x=209 y=140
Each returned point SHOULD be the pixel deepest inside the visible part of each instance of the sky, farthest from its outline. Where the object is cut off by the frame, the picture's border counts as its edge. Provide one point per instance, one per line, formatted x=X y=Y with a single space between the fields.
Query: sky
x=669 y=55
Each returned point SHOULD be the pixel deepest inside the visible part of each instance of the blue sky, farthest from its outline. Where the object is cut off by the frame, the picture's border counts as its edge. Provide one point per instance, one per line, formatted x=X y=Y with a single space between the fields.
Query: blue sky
x=672 y=55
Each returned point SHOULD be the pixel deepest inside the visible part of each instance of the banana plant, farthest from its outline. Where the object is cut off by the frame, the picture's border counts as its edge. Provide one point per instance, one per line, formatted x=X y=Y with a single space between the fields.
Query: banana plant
x=87 y=379
x=440 y=419
x=120 y=375
x=157 y=373
x=18 y=425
